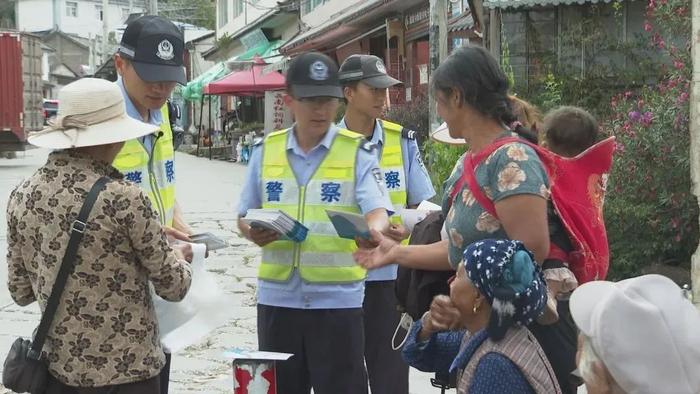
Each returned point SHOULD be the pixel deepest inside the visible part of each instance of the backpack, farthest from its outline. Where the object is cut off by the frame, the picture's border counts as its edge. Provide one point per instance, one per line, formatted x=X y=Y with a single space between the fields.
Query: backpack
x=577 y=195
x=415 y=288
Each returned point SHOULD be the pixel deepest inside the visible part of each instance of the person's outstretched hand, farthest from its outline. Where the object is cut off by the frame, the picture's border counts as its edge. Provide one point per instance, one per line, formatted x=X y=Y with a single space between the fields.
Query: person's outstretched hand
x=382 y=253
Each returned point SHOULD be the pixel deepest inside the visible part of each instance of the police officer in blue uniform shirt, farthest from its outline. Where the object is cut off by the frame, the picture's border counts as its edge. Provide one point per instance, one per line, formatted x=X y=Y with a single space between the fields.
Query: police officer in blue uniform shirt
x=320 y=323
x=365 y=82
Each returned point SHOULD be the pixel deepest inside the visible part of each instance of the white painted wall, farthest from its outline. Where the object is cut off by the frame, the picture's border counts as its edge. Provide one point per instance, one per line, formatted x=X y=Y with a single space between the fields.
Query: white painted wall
x=36 y=15
x=287 y=32
x=198 y=64
x=249 y=15
x=324 y=12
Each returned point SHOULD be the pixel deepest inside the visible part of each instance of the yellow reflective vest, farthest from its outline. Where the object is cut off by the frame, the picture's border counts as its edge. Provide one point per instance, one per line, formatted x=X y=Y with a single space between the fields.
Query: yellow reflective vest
x=391 y=164
x=323 y=257
x=153 y=171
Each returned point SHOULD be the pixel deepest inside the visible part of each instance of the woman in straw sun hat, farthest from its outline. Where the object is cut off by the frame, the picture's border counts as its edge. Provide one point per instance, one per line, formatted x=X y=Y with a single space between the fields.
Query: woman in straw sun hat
x=104 y=337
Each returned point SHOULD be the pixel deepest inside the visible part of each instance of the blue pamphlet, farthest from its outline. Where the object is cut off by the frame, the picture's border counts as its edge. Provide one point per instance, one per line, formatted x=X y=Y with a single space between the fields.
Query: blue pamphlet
x=349 y=225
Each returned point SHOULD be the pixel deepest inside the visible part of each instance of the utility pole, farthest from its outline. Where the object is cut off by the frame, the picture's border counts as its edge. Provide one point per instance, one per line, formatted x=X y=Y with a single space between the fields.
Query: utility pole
x=152 y=7
x=695 y=135
x=56 y=20
x=105 y=31
x=438 y=49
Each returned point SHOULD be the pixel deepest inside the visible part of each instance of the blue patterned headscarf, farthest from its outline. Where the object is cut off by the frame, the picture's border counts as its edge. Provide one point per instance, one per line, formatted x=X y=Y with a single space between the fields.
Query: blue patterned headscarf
x=505 y=273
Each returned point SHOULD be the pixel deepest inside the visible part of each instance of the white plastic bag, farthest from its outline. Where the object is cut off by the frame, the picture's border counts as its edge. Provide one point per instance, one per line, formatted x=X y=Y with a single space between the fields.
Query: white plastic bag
x=183 y=323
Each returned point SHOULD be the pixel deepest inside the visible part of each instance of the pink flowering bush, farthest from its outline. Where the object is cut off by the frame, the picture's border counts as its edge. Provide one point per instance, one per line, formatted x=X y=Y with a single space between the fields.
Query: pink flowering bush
x=651 y=215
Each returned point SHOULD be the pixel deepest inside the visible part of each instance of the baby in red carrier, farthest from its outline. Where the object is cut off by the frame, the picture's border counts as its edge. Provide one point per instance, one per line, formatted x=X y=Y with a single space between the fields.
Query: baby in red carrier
x=568 y=132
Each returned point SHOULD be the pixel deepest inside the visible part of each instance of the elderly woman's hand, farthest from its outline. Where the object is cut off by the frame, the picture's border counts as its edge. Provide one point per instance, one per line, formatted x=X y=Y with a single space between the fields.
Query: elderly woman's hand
x=183 y=251
x=442 y=316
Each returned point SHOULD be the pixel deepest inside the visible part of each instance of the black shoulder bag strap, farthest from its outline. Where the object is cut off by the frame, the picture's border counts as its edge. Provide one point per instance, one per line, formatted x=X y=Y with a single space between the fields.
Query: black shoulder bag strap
x=76 y=235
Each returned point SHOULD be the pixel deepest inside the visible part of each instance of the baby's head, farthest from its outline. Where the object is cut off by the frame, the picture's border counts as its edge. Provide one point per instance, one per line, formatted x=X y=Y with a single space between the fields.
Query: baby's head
x=568 y=131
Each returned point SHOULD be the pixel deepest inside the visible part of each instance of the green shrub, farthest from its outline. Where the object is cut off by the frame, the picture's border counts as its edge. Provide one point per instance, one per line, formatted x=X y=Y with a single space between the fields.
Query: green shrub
x=412 y=115
x=651 y=215
x=440 y=160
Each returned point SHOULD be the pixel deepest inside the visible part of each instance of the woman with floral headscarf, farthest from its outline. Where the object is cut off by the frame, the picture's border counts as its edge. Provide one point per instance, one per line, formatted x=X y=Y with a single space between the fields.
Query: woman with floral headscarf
x=498 y=291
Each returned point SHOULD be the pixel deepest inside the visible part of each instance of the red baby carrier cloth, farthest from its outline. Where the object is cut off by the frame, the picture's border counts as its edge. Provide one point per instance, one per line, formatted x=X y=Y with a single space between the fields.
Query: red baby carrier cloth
x=577 y=193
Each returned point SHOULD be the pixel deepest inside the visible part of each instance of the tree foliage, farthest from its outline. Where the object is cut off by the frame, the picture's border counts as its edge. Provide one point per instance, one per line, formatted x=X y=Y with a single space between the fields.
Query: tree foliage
x=196 y=12
x=7 y=14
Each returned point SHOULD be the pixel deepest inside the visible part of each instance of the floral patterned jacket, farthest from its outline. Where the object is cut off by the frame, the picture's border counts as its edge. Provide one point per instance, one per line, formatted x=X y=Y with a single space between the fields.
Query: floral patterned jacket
x=104 y=331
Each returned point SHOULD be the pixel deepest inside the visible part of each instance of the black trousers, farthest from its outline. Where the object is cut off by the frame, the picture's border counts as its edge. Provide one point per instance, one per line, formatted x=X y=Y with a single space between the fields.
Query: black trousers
x=388 y=373
x=327 y=345
x=165 y=374
x=559 y=342
x=148 y=386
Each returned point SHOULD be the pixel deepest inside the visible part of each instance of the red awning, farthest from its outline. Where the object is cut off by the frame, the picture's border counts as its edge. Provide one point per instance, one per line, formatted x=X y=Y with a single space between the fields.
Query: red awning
x=247 y=82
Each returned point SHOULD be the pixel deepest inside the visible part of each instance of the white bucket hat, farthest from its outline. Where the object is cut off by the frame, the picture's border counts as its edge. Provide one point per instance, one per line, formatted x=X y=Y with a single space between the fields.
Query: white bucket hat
x=645 y=332
x=91 y=112
x=442 y=134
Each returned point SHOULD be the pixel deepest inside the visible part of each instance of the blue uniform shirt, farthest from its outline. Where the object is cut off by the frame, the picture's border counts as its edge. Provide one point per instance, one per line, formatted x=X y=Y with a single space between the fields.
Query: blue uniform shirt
x=155 y=117
x=419 y=187
x=370 y=195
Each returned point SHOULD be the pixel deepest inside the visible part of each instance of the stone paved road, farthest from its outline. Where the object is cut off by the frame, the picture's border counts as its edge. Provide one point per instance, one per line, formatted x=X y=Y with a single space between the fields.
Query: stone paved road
x=207 y=191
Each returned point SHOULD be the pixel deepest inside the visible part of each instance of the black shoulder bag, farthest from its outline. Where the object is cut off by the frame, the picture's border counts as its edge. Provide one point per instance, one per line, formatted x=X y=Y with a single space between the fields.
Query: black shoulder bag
x=25 y=369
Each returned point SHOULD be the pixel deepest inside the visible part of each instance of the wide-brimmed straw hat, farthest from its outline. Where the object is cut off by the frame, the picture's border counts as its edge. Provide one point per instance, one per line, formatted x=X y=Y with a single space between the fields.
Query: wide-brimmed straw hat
x=442 y=134
x=90 y=112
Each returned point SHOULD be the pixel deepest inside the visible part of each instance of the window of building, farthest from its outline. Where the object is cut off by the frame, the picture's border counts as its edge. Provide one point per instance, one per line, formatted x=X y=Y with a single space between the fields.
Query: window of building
x=238 y=7
x=223 y=12
x=579 y=39
x=71 y=8
x=457 y=7
x=98 y=12
x=310 y=5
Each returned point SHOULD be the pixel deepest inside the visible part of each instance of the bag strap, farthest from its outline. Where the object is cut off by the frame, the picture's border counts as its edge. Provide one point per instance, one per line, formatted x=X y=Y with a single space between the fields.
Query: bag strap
x=471 y=160
x=77 y=229
x=477 y=193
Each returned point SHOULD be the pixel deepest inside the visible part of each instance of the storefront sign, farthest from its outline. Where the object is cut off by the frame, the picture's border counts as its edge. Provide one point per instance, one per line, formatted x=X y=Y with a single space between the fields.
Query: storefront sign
x=277 y=115
x=422 y=74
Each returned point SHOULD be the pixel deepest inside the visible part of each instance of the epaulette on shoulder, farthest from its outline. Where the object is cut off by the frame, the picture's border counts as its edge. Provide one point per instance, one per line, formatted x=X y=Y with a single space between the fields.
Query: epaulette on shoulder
x=408 y=134
x=369 y=146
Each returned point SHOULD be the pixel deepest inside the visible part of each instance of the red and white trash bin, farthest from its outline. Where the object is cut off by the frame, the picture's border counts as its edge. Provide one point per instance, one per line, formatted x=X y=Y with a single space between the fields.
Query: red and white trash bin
x=254 y=371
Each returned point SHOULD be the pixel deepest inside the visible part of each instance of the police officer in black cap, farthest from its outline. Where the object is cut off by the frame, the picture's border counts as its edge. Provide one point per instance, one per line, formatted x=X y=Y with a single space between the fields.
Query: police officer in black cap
x=310 y=293
x=365 y=82
x=149 y=63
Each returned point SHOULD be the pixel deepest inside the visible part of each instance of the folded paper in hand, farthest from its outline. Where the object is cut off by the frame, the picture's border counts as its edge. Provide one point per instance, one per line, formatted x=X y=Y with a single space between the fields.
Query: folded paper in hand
x=349 y=225
x=278 y=221
x=411 y=217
